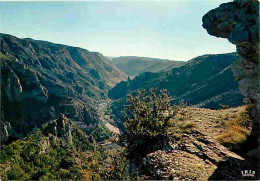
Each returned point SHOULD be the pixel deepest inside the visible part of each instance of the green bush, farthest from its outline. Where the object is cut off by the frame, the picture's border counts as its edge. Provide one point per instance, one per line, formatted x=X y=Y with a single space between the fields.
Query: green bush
x=148 y=119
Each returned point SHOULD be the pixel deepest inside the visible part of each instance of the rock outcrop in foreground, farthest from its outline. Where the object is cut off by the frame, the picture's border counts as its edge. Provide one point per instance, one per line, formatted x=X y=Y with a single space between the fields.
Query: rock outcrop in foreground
x=197 y=153
x=195 y=157
x=239 y=22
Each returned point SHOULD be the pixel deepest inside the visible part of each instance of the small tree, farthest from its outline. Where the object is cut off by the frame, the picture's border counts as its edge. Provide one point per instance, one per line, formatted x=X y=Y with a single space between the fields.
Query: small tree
x=148 y=118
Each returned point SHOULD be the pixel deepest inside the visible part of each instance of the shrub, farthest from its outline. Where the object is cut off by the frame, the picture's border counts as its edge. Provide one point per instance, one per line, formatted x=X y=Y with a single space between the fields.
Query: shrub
x=148 y=119
x=101 y=133
x=188 y=125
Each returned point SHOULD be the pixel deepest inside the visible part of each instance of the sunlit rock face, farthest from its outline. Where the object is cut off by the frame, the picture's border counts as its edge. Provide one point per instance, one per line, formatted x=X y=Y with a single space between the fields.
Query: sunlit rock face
x=238 y=21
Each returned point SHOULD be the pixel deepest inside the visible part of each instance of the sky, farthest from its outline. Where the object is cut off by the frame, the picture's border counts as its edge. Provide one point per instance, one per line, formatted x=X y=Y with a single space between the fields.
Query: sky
x=160 y=29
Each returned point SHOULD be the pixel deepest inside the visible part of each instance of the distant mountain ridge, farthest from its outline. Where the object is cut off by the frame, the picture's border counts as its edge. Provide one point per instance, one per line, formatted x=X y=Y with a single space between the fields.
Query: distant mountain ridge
x=133 y=66
x=42 y=79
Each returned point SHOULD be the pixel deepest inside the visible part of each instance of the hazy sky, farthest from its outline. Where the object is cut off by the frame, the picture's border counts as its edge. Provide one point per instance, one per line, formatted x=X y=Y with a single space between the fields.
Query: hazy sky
x=161 y=29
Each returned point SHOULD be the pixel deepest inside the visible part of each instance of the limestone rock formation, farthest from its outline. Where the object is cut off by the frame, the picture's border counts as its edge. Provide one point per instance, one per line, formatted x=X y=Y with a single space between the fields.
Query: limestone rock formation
x=239 y=22
x=61 y=128
x=6 y=131
x=12 y=83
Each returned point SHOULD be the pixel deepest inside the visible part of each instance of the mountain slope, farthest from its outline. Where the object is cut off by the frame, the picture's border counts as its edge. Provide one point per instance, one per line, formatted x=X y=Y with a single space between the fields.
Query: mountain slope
x=202 y=78
x=50 y=56
x=134 y=66
x=206 y=81
x=41 y=79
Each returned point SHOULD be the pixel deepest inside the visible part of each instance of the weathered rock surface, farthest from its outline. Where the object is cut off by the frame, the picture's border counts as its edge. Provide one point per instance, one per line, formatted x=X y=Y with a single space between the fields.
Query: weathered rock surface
x=40 y=80
x=61 y=128
x=239 y=22
x=195 y=152
x=194 y=157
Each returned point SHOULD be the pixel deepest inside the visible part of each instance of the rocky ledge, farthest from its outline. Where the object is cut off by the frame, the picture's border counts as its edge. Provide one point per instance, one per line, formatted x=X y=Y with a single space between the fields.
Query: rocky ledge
x=196 y=157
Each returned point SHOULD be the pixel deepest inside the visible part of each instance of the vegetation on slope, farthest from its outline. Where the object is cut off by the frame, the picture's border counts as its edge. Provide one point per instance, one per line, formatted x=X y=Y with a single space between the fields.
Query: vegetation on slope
x=101 y=133
x=60 y=151
x=199 y=80
x=206 y=81
x=149 y=119
x=166 y=142
x=236 y=135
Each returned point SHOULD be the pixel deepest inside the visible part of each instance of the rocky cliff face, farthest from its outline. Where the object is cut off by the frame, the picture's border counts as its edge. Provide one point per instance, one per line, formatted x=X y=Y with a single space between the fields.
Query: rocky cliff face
x=40 y=79
x=60 y=128
x=239 y=22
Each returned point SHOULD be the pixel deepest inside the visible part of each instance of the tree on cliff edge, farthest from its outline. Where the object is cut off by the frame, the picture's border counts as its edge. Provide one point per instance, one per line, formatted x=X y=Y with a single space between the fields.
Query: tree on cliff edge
x=148 y=118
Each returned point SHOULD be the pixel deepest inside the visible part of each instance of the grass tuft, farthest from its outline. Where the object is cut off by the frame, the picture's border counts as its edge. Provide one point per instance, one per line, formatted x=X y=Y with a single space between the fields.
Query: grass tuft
x=238 y=131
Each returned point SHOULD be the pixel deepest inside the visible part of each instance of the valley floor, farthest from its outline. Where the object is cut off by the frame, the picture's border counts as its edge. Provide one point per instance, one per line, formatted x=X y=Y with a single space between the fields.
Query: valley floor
x=105 y=118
